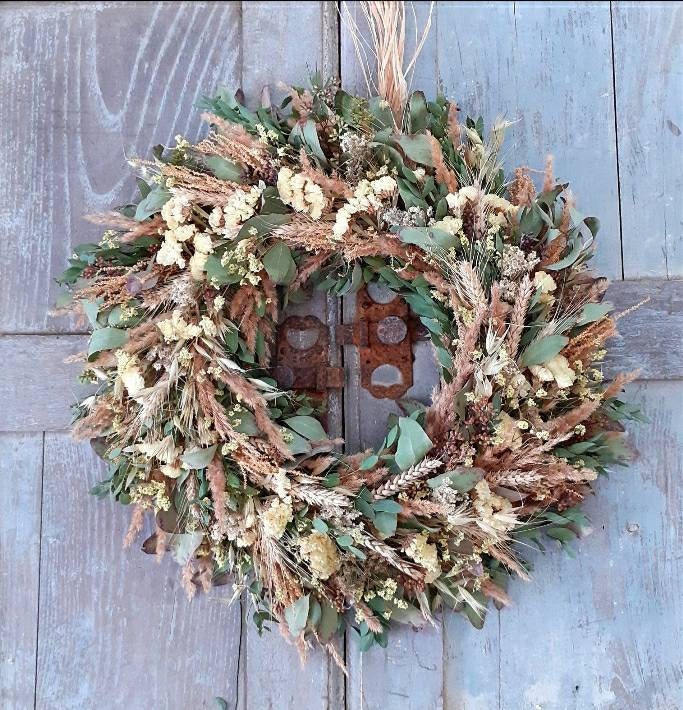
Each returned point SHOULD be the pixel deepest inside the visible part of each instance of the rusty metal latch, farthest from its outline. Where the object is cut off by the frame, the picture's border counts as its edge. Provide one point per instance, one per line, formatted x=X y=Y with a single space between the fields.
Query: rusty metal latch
x=384 y=334
x=302 y=359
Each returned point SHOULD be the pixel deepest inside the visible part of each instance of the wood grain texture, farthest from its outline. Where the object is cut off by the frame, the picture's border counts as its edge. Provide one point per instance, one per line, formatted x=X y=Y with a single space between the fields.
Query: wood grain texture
x=84 y=88
x=409 y=672
x=547 y=67
x=115 y=628
x=37 y=388
x=649 y=341
x=649 y=337
x=87 y=85
x=603 y=630
x=648 y=71
x=20 y=480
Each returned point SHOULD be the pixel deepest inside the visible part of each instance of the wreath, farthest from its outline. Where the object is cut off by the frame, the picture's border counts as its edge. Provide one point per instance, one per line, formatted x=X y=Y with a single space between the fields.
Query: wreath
x=332 y=191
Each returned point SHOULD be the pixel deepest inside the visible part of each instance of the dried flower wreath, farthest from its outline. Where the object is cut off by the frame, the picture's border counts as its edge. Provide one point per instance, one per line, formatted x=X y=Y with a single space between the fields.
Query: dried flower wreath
x=334 y=191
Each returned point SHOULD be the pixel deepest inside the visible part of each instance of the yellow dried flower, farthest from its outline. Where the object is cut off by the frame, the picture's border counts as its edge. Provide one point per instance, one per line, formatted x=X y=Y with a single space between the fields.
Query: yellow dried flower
x=321 y=554
x=426 y=555
x=276 y=517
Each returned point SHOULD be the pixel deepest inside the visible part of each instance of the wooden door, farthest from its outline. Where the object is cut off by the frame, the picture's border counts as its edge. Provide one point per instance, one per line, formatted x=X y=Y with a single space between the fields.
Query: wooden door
x=86 y=624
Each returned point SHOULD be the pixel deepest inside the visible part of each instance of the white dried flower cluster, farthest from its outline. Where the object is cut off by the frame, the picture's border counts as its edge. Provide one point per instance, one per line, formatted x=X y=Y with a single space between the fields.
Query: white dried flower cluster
x=129 y=373
x=557 y=369
x=301 y=193
x=275 y=519
x=367 y=197
x=241 y=261
x=495 y=512
x=177 y=328
x=176 y=212
x=320 y=553
x=240 y=207
x=426 y=555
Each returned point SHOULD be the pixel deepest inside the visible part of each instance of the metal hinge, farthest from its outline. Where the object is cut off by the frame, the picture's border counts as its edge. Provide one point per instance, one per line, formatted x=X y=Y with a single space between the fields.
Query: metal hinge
x=384 y=334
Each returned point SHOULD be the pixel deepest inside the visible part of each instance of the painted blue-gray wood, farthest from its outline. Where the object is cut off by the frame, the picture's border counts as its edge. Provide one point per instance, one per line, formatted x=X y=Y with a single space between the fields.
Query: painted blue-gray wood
x=648 y=75
x=87 y=85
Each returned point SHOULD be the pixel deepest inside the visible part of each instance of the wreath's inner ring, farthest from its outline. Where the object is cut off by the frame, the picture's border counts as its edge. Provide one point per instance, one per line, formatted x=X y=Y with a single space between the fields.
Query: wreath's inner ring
x=385 y=341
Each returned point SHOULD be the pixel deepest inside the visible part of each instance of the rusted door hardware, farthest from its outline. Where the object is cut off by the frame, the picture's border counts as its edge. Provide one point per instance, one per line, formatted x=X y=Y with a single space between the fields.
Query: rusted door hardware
x=302 y=360
x=384 y=333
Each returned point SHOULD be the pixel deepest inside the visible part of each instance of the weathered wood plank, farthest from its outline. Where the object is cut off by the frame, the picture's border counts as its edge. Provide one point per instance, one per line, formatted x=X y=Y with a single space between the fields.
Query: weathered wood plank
x=115 y=627
x=409 y=672
x=471 y=662
x=648 y=65
x=649 y=337
x=37 y=388
x=603 y=630
x=20 y=478
x=84 y=87
x=310 y=30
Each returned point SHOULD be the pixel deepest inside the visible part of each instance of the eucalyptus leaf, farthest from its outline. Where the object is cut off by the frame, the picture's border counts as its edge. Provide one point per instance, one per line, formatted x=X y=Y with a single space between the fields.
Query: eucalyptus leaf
x=264 y=224
x=418 y=148
x=574 y=253
x=413 y=443
x=152 y=203
x=218 y=274
x=296 y=615
x=386 y=523
x=463 y=479
x=91 y=309
x=106 y=339
x=298 y=444
x=223 y=169
x=543 y=349
x=418 y=112
x=593 y=311
x=388 y=505
x=184 y=545
x=428 y=238
x=308 y=427
x=198 y=458
x=278 y=262
x=329 y=622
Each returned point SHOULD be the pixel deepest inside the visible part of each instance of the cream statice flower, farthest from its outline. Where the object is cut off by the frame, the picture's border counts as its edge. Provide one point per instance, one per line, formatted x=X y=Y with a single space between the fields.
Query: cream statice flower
x=546 y=284
x=367 y=197
x=176 y=211
x=203 y=247
x=321 y=554
x=171 y=252
x=301 y=193
x=208 y=326
x=128 y=370
x=556 y=369
x=458 y=200
x=495 y=512
x=177 y=328
x=426 y=555
x=495 y=202
x=452 y=225
x=241 y=205
x=276 y=517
